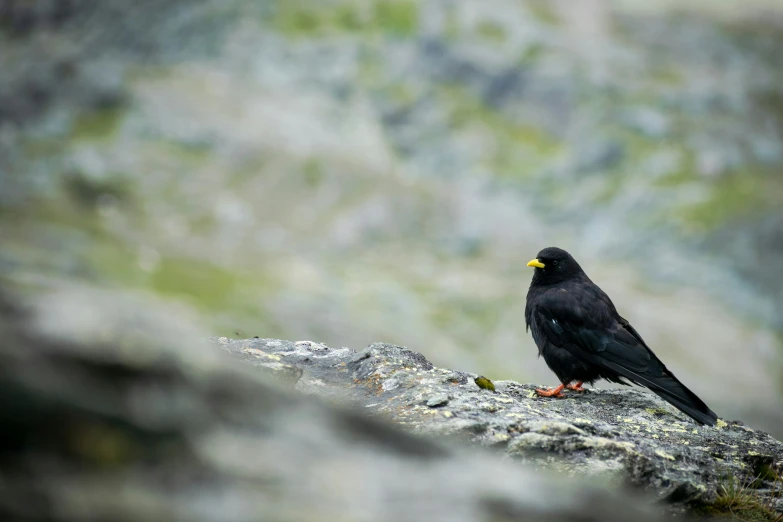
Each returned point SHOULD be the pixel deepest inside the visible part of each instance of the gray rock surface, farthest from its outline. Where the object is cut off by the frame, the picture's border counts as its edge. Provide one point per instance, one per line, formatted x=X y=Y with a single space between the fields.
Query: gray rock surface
x=626 y=435
x=108 y=413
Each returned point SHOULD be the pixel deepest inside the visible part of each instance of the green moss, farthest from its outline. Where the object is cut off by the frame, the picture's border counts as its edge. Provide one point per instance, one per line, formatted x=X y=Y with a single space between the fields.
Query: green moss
x=98 y=124
x=348 y=19
x=543 y=11
x=531 y=55
x=313 y=172
x=294 y=18
x=491 y=31
x=399 y=17
x=305 y=18
x=676 y=178
x=735 y=196
x=115 y=262
x=667 y=76
x=196 y=279
x=42 y=148
x=401 y=94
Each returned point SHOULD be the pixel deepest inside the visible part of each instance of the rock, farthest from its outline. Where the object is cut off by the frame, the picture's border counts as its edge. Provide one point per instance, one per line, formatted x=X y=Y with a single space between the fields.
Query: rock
x=110 y=412
x=629 y=434
x=440 y=399
x=270 y=364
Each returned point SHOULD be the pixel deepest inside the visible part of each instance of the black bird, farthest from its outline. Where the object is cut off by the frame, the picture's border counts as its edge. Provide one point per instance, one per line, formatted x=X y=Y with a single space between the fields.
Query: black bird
x=582 y=337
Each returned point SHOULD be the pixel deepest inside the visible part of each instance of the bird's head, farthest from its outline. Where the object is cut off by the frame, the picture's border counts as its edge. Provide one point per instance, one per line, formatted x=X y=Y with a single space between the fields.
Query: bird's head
x=553 y=265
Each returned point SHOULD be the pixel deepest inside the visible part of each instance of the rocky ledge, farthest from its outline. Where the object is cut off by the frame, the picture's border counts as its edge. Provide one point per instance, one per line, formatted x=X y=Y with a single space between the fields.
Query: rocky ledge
x=113 y=409
x=625 y=435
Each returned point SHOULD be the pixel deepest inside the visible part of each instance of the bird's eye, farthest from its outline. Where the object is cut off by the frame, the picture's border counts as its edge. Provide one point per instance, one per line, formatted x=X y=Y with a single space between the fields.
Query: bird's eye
x=554 y=263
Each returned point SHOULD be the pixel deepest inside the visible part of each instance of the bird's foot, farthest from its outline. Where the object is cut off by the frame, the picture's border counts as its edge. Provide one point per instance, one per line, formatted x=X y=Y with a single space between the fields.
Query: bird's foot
x=576 y=387
x=552 y=392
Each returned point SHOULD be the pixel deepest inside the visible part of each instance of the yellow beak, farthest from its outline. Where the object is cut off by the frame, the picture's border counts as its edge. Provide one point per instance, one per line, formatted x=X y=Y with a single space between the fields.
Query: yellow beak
x=536 y=263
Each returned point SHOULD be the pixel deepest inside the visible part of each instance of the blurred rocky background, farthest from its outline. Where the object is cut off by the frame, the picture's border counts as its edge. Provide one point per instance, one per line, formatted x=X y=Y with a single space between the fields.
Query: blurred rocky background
x=359 y=171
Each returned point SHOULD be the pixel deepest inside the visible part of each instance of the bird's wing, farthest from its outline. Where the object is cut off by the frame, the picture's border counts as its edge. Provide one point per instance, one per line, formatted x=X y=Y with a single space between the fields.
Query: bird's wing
x=583 y=320
x=585 y=323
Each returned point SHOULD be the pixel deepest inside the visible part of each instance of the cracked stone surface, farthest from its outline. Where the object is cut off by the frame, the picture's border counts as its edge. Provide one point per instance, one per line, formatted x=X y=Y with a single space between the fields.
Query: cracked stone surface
x=629 y=435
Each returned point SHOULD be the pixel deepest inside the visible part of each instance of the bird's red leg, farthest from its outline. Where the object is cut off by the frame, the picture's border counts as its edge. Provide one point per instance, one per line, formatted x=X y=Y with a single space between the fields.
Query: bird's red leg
x=576 y=387
x=553 y=392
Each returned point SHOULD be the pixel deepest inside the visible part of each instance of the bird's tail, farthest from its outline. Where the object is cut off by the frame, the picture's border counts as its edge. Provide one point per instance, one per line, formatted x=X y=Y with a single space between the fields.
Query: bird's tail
x=670 y=389
x=675 y=393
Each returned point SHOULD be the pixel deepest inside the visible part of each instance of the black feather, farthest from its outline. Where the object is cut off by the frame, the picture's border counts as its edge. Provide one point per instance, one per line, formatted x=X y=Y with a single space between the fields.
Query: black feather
x=582 y=337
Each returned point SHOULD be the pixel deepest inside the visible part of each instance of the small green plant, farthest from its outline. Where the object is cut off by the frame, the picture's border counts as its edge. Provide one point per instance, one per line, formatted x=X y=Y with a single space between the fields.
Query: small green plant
x=484 y=383
x=745 y=503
